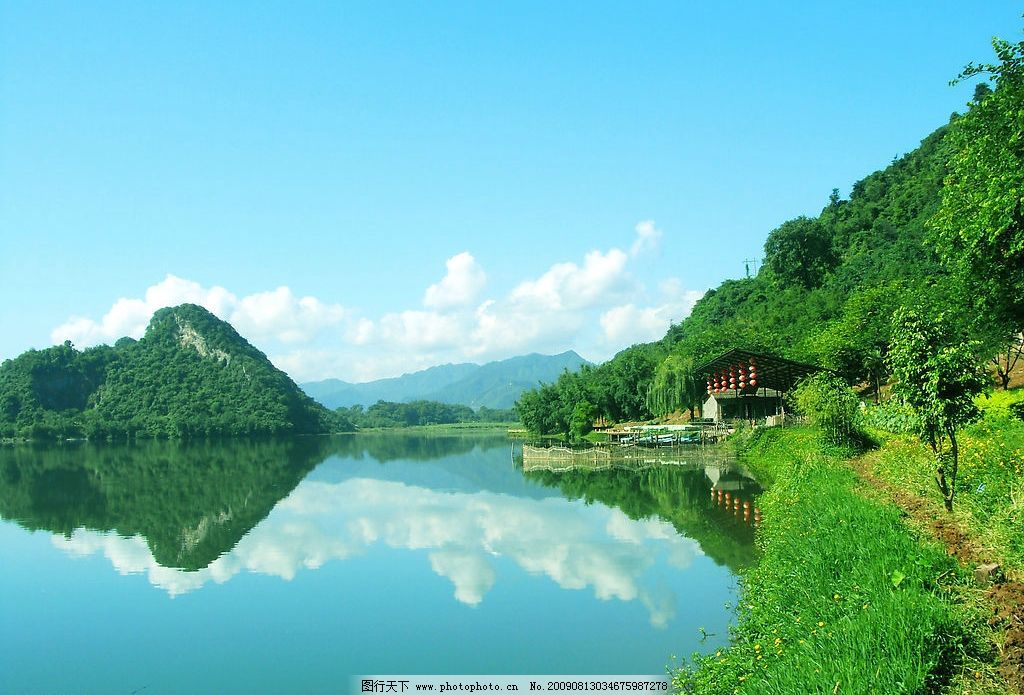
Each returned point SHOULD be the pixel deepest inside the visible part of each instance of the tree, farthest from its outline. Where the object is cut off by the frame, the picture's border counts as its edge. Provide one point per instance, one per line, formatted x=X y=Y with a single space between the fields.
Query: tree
x=581 y=422
x=799 y=252
x=856 y=343
x=831 y=405
x=674 y=386
x=938 y=378
x=979 y=227
x=1010 y=350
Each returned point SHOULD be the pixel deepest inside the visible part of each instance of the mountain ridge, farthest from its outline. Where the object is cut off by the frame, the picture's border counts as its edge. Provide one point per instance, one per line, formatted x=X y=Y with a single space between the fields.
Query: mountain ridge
x=494 y=384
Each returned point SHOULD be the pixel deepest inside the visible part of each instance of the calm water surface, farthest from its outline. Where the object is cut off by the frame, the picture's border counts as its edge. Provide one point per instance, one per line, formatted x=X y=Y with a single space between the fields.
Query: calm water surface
x=290 y=566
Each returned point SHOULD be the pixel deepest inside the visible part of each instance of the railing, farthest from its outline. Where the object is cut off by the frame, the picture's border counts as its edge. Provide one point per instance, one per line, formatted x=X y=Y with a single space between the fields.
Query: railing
x=559 y=458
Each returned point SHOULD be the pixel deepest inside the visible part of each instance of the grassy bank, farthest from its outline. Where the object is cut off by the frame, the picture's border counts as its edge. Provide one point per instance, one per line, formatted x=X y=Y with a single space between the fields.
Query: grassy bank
x=846 y=598
x=990 y=489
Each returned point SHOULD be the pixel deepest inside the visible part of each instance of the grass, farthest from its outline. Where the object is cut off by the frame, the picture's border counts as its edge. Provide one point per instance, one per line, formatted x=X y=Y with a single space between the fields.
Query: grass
x=845 y=598
x=990 y=487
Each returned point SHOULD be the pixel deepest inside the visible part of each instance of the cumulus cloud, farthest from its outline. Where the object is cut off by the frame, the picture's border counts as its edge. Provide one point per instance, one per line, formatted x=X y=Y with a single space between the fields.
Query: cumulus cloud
x=281 y=315
x=422 y=329
x=460 y=286
x=129 y=317
x=277 y=314
x=627 y=324
x=595 y=305
x=600 y=279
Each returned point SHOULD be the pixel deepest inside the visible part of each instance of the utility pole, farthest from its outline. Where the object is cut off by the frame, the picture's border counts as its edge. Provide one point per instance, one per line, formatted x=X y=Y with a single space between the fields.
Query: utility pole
x=746 y=265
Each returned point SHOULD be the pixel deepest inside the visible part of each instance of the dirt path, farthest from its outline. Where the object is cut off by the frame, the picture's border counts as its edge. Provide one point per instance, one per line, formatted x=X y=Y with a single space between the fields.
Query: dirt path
x=1006 y=597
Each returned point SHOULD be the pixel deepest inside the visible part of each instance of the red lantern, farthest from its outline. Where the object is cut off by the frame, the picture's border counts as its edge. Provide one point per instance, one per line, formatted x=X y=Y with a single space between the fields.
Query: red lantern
x=753 y=382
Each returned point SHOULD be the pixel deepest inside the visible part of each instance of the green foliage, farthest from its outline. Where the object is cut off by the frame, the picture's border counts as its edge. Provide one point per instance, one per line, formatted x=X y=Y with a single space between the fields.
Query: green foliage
x=581 y=423
x=675 y=386
x=843 y=599
x=162 y=491
x=617 y=390
x=191 y=375
x=676 y=494
x=856 y=343
x=938 y=378
x=990 y=486
x=799 y=253
x=43 y=392
x=385 y=414
x=979 y=228
x=831 y=406
x=1018 y=410
x=892 y=416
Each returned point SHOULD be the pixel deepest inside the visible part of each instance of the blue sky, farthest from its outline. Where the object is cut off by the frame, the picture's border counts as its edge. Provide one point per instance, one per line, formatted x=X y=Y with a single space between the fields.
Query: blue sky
x=366 y=189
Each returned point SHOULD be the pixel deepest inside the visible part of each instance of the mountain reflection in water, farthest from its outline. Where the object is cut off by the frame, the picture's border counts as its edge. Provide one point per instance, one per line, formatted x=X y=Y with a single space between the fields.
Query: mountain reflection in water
x=186 y=514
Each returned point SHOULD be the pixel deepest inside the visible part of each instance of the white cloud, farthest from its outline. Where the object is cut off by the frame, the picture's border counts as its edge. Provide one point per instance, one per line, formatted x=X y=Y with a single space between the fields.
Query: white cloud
x=628 y=324
x=648 y=238
x=600 y=280
x=460 y=286
x=281 y=315
x=420 y=330
x=595 y=306
x=277 y=314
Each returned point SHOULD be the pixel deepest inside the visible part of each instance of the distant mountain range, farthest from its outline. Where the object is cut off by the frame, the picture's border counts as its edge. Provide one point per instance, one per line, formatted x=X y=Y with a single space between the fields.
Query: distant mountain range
x=491 y=385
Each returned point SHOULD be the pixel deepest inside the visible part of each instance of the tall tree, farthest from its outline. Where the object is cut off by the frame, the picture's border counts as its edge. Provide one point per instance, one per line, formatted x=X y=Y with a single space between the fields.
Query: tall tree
x=979 y=228
x=938 y=378
x=674 y=386
x=799 y=252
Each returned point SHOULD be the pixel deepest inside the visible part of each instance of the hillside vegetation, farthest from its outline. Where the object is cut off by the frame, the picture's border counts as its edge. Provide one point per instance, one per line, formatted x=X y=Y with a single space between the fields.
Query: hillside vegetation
x=824 y=294
x=190 y=375
x=938 y=232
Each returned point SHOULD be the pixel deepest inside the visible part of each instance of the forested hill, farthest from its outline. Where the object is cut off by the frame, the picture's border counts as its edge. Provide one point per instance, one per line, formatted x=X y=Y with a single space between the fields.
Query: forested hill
x=190 y=375
x=829 y=285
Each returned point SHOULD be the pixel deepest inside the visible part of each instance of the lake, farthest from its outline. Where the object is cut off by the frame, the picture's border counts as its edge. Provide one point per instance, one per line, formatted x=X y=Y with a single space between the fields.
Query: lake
x=293 y=565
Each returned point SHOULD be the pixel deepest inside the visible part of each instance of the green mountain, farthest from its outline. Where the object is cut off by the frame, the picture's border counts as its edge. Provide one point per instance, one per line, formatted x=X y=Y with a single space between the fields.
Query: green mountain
x=493 y=385
x=825 y=294
x=190 y=375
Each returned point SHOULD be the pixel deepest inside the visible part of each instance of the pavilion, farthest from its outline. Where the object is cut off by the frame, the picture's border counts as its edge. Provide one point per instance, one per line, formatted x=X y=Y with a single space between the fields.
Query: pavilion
x=745 y=385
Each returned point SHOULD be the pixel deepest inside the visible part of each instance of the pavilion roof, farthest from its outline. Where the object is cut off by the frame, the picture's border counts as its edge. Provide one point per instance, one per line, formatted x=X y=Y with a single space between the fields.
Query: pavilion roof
x=772 y=372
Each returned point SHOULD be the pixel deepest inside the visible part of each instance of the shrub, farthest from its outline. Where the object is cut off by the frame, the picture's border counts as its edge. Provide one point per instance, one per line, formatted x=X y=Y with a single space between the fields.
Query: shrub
x=832 y=406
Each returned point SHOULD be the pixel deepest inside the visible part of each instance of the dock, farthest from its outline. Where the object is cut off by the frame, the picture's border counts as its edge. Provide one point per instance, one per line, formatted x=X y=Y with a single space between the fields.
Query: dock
x=669 y=435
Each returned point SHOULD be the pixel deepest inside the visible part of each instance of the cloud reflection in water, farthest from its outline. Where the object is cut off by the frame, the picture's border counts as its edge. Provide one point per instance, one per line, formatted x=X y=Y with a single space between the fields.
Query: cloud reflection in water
x=575 y=545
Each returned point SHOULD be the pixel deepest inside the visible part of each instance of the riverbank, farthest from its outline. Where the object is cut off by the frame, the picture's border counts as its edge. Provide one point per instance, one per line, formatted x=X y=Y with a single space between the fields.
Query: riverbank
x=447 y=428
x=848 y=597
